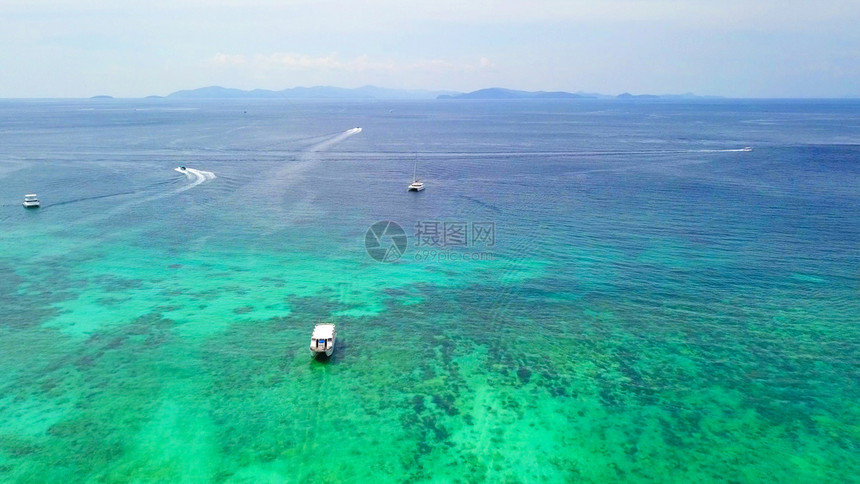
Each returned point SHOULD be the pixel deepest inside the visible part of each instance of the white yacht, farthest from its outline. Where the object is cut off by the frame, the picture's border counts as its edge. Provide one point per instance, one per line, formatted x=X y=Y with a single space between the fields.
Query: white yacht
x=31 y=200
x=323 y=339
x=416 y=185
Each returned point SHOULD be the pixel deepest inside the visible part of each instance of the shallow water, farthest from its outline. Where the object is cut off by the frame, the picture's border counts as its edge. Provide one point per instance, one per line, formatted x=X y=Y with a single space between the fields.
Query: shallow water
x=622 y=294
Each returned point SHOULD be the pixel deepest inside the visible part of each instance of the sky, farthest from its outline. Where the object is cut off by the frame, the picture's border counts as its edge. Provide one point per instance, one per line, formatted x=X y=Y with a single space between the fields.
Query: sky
x=734 y=48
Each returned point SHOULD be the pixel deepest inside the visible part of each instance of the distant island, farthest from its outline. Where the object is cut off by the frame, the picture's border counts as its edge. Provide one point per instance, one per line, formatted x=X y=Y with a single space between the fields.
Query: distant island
x=381 y=93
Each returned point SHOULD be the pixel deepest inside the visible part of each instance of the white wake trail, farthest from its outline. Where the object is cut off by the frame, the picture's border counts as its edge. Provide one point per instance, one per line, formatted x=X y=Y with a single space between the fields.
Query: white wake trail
x=735 y=150
x=199 y=176
x=322 y=146
x=288 y=196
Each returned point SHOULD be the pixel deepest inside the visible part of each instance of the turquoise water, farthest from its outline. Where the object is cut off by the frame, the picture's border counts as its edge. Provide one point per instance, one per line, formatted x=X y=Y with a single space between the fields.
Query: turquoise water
x=654 y=304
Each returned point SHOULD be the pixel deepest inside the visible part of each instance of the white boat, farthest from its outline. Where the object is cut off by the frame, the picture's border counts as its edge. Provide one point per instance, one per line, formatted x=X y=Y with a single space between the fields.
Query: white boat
x=416 y=185
x=323 y=339
x=748 y=148
x=31 y=200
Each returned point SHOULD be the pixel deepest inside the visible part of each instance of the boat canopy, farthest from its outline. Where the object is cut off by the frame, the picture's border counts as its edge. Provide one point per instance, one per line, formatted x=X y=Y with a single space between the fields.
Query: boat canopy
x=323 y=331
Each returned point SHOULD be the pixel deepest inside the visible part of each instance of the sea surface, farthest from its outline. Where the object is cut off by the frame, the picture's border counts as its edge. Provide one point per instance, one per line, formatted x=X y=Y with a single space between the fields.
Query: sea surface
x=586 y=291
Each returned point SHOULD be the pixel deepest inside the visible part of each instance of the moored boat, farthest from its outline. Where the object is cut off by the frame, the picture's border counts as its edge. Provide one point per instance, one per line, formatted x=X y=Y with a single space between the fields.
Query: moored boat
x=31 y=200
x=323 y=339
x=416 y=185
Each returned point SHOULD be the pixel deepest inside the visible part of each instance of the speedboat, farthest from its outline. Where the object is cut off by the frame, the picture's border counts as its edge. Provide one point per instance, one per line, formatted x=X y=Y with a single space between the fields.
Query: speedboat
x=416 y=185
x=748 y=148
x=323 y=339
x=31 y=200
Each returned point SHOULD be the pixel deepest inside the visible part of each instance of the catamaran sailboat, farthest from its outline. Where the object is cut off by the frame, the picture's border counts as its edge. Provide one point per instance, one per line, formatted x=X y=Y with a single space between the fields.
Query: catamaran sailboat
x=416 y=185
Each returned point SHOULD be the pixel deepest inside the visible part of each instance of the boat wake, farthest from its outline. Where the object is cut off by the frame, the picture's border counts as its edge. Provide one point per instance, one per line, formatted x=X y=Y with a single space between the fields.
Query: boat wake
x=290 y=198
x=736 y=150
x=198 y=177
x=324 y=145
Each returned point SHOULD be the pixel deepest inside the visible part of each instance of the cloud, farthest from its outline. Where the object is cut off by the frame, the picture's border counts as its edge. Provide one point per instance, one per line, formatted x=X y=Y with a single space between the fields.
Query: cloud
x=293 y=61
x=483 y=63
x=227 y=60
